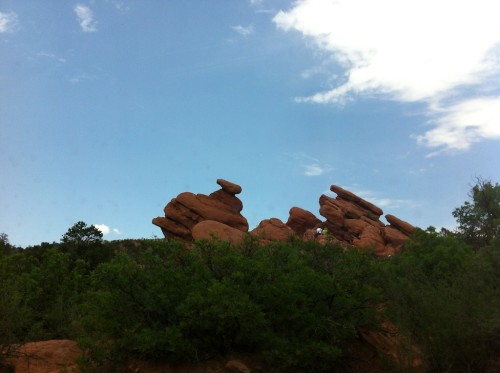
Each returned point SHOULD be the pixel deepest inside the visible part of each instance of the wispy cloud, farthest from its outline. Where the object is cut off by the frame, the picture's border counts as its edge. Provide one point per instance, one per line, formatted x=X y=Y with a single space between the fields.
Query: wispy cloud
x=85 y=17
x=81 y=78
x=460 y=125
x=311 y=166
x=51 y=56
x=314 y=169
x=244 y=31
x=8 y=22
x=411 y=51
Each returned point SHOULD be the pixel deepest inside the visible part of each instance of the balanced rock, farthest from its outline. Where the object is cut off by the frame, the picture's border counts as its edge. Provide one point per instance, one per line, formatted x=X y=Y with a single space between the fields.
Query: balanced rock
x=187 y=210
x=229 y=187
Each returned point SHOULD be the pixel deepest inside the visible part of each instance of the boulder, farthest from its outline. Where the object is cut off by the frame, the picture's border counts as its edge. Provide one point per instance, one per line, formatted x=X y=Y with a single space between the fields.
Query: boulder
x=371 y=237
x=209 y=229
x=301 y=220
x=401 y=225
x=349 y=196
x=330 y=211
x=185 y=211
x=393 y=236
x=236 y=366
x=272 y=230
x=46 y=357
x=229 y=187
x=230 y=200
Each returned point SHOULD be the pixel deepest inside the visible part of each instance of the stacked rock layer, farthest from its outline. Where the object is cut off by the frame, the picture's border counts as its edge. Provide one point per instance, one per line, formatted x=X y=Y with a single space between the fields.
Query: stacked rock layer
x=349 y=219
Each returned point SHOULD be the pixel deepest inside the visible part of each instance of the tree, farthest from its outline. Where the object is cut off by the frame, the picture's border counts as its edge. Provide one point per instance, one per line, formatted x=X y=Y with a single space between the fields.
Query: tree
x=80 y=233
x=5 y=247
x=85 y=242
x=479 y=219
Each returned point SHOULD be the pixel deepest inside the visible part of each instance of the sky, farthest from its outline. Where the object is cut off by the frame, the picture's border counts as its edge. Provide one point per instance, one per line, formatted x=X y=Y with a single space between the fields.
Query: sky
x=111 y=108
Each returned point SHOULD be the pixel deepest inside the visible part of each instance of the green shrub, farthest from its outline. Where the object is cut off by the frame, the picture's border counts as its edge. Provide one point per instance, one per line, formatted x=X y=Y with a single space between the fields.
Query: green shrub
x=278 y=300
x=446 y=297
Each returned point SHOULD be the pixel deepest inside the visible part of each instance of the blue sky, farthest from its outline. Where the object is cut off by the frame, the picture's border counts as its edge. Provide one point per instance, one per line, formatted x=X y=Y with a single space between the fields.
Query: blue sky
x=108 y=109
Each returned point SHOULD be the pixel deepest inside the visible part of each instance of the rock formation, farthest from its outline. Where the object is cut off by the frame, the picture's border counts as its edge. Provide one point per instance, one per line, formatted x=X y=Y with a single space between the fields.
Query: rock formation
x=272 y=230
x=349 y=219
x=185 y=211
x=356 y=221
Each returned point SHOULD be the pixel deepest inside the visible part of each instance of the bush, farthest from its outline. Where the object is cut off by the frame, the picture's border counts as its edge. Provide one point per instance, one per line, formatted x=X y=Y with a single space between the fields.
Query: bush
x=277 y=300
x=446 y=297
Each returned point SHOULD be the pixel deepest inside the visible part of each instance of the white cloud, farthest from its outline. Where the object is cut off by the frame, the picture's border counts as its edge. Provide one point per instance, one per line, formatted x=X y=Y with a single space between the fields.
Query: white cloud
x=408 y=51
x=8 y=22
x=243 y=31
x=85 y=18
x=464 y=123
x=103 y=228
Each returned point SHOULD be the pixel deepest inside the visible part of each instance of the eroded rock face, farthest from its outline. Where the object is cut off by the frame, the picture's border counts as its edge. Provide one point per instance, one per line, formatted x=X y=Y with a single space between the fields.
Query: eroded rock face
x=356 y=221
x=185 y=211
x=272 y=230
x=210 y=229
x=46 y=356
x=301 y=220
x=350 y=219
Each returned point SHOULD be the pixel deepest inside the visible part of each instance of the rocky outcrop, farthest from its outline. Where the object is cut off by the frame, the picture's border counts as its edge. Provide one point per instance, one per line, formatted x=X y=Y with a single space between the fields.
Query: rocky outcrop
x=185 y=211
x=272 y=230
x=301 y=220
x=350 y=219
x=46 y=356
x=209 y=229
x=356 y=221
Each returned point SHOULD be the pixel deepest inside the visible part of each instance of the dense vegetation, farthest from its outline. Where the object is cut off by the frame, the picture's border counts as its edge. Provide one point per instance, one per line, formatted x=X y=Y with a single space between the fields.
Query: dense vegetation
x=294 y=303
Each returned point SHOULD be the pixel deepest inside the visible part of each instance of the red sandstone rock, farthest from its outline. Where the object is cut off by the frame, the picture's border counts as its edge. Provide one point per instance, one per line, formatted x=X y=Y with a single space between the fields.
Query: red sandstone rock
x=187 y=210
x=208 y=229
x=172 y=229
x=46 y=357
x=370 y=236
x=272 y=230
x=301 y=220
x=349 y=219
x=349 y=196
x=330 y=211
x=393 y=236
x=211 y=209
x=229 y=187
x=236 y=366
x=234 y=203
x=355 y=226
x=397 y=223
